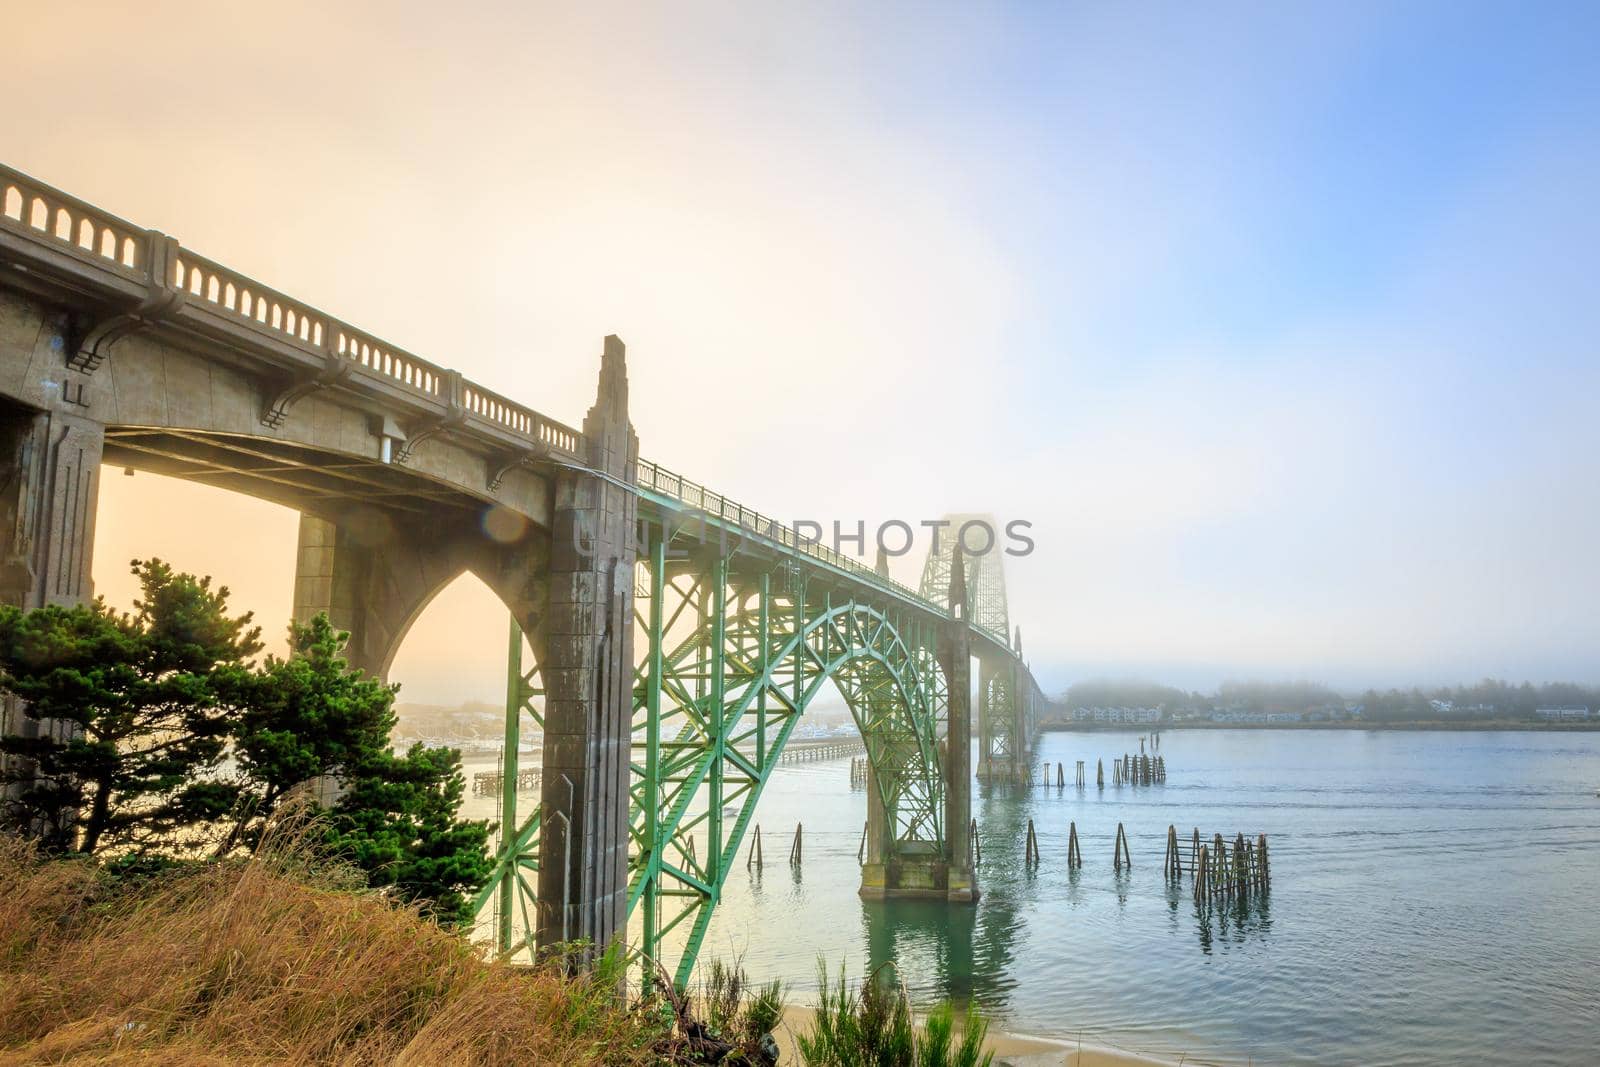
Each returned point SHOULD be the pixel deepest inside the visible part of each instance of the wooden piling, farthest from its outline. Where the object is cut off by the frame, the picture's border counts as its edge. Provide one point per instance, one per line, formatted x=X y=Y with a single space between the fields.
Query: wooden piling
x=1032 y=852
x=861 y=849
x=754 y=859
x=1174 y=857
x=1061 y=776
x=1074 y=853
x=797 y=850
x=1120 y=856
x=977 y=845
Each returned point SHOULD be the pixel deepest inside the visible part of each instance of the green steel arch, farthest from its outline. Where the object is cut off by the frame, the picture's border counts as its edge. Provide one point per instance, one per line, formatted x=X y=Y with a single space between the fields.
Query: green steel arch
x=732 y=648
x=735 y=649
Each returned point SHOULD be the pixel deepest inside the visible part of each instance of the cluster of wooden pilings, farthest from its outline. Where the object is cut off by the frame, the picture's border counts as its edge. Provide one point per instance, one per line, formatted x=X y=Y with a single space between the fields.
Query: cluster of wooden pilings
x=1125 y=770
x=1142 y=769
x=1219 y=869
x=858 y=770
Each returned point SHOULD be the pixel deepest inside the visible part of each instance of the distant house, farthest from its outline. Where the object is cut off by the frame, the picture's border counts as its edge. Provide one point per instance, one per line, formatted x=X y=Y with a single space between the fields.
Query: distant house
x=1118 y=716
x=1562 y=714
x=1240 y=717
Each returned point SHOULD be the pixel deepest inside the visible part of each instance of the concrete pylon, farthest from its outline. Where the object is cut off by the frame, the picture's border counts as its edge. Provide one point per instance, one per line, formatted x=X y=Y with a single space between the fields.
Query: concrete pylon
x=588 y=675
x=49 y=487
x=955 y=658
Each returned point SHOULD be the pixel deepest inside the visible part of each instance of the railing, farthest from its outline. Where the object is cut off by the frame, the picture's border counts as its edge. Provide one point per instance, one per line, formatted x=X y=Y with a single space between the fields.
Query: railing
x=715 y=505
x=84 y=228
x=97 y=237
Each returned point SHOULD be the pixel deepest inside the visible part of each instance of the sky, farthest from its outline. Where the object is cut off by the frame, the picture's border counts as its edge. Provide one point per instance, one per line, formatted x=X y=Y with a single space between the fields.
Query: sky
x=1277 y=322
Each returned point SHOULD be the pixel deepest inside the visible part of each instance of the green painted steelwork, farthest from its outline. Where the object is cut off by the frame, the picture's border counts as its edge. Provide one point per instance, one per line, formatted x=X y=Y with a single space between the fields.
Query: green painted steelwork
x=739 y=626
x=737 y=648
x=996 y=723
x=518 y=853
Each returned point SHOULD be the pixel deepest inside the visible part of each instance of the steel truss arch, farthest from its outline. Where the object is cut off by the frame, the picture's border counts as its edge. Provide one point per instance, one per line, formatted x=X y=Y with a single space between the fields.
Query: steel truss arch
x=734 y=650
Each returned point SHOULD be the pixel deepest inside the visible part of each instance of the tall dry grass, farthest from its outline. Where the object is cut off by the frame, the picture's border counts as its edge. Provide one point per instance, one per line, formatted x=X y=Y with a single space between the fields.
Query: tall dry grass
x=271 y=960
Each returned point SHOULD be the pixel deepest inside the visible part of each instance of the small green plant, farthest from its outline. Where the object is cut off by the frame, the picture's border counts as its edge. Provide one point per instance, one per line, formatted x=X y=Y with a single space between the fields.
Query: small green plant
x=872 y=1027
x=735 y=1012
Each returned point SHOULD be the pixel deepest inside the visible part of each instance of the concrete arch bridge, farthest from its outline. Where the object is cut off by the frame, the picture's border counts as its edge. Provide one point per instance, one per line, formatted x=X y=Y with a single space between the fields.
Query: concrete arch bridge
x=677 y=636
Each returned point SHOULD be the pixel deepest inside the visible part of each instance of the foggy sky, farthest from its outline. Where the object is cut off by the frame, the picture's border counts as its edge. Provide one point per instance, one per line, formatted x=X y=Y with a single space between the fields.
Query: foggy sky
x=1277 y=322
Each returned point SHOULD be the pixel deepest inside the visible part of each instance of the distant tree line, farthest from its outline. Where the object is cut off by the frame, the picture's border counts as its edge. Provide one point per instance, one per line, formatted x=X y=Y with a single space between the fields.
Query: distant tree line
x=156 y=737
x=1125 y=694
x=1490 y=699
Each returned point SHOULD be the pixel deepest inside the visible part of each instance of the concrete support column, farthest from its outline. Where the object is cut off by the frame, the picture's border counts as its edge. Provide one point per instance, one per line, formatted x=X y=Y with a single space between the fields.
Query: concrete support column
x=336 y=573
x=955 y=657
x=49 y=488
x=1021 y=738
x=877 y=851
x=588 y=675
x=987 y=769
x=50 y=468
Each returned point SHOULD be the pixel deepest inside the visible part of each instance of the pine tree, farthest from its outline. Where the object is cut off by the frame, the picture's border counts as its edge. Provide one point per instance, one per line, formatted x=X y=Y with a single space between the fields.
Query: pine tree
x=310 y=718
x=126 y=716
x=306 y=718
x=397 y=821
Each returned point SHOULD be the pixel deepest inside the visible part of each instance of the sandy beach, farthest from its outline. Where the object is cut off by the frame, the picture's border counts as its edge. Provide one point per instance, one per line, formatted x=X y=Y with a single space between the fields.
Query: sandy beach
x=1009 y=1049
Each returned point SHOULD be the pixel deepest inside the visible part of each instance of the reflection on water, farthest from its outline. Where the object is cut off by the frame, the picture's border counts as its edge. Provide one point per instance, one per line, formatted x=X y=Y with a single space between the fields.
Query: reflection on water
x=1432 y=896
x=1233 y=920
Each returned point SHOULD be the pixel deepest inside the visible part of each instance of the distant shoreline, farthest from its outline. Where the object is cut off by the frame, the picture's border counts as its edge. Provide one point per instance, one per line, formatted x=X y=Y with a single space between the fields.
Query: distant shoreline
x=1479 y=726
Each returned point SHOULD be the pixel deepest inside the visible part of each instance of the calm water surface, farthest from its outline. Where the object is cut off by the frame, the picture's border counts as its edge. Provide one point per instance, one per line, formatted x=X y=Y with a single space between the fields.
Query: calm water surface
x=1435 y=898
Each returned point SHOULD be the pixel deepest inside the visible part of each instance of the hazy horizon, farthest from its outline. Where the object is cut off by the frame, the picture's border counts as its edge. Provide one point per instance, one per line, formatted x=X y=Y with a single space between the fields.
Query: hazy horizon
x=1277 y=324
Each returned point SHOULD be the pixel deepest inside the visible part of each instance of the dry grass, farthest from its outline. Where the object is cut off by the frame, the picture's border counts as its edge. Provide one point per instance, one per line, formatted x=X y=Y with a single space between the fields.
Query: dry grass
x=267 y=961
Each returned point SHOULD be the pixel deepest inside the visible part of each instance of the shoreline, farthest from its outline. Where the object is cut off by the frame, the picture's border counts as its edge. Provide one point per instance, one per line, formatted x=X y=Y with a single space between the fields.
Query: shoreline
x=1009 y=1048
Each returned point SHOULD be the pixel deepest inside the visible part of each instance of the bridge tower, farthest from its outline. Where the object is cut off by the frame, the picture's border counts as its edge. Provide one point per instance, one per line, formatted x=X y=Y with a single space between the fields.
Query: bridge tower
x=1004 y=690
x=588 y=675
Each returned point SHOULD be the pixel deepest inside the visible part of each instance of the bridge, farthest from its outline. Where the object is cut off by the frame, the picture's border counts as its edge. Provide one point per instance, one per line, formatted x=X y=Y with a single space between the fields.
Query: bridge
x=677 y=636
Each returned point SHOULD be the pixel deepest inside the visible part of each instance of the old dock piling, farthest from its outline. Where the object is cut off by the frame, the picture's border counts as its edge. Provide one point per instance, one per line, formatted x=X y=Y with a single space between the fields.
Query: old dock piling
x=1100 y=773
x=1080 y=774
x=1032 y=851
x=977 y=845
x=861 y=849
x=1061 y=776
x=1237 y=871
x=1120 y=856
x=1074 y=854
x=755 y=851
x=1174 y=861
x=858 y=770
x=1143 y=769
x=797 y=850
